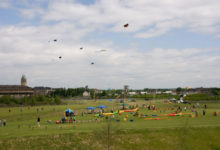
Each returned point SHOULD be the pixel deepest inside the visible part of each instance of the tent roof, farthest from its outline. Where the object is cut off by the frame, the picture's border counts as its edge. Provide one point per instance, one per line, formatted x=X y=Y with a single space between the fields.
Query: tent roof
x=91 y=108
x=102 y=106
x=69 y=110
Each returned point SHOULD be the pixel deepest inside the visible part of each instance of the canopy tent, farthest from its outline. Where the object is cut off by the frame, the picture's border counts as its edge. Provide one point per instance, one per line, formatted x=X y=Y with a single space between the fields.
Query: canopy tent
x=69 y=112
x=91 y=108
x=102 y=106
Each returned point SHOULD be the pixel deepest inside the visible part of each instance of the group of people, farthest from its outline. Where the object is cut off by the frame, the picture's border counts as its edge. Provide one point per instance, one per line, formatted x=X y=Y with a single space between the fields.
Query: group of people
x=71 y=119
x=3 y=122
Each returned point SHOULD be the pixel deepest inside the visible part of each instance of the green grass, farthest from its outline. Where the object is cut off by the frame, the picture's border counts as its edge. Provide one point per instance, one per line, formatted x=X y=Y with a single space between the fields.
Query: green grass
x=185 y=132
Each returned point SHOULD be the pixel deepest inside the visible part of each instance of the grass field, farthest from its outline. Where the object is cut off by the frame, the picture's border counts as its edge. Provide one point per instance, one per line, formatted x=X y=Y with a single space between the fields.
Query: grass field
x=179 y=132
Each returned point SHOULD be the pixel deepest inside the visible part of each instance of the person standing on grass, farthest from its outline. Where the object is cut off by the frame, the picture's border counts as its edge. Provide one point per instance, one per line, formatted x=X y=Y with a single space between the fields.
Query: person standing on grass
x=197 y=114
x=38 y=121
x=203 y=112
x=0 y=123
x=194 y=106
x=4 y=122
x=74 y=119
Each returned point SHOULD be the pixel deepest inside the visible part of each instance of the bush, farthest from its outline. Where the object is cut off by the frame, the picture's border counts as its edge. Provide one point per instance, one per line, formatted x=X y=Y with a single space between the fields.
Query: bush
x=200 y=97
x=37 y=100
x=57 y=100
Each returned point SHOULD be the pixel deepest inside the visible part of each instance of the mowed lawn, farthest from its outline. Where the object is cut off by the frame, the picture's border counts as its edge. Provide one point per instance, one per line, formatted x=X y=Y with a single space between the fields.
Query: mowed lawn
x=179 y=132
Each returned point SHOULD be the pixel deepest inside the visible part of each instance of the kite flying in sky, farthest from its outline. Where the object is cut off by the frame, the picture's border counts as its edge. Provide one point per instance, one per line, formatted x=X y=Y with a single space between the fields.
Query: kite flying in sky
x=55 y=40
x=60 y=57
x=103 y=50
x=81 y=48
x=92 y=63
x=126 y=25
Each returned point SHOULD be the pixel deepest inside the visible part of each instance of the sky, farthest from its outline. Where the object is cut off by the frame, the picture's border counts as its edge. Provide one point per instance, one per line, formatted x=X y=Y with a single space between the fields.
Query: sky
x=168 y=43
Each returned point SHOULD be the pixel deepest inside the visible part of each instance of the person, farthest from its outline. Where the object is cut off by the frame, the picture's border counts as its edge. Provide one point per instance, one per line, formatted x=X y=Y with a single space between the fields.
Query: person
x=153 y=107
x=37 y=110
x=185 y=108
x=63 y=120
x=4 y=122
x=9 y=109
x=38 y=121
x=205 y=106
x=112 y=117
x=74 y=119
x=197 y=114
x=203 y=112
x=0 y=123
x=71 y=120
x=136 y=113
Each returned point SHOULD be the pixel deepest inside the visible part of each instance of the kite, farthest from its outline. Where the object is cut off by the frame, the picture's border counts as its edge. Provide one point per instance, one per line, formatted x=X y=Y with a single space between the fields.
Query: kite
x=60 y=57
x=92 y=63
x=55 y=40
x=81 y=48
x=103 y=50
x=126 y=25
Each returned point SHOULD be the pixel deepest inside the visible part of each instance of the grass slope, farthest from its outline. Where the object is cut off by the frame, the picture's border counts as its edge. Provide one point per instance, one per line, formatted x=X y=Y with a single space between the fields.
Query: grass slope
x=183 y=132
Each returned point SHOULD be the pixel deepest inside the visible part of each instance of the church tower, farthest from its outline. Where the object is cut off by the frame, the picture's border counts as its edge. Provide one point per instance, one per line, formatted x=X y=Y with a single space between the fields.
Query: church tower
x=23 y=81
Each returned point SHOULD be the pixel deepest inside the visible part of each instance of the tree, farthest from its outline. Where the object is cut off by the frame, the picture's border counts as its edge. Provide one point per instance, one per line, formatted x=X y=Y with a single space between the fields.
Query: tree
x=179 y=89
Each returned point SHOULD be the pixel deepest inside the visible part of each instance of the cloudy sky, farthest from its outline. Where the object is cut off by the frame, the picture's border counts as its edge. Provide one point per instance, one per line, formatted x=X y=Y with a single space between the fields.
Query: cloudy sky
x=168 y=43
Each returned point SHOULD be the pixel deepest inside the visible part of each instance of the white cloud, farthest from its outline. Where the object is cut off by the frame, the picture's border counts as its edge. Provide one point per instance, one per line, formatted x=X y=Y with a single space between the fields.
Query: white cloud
x=31 y=13
x=32 y=55
x=151 y=18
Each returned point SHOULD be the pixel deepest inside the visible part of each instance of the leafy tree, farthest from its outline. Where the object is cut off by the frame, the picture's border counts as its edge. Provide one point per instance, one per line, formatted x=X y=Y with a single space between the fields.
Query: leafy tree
x=179 y=89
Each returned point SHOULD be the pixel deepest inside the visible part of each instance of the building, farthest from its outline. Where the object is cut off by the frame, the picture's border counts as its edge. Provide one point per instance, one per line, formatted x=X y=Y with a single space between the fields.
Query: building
x=191 y=91
x=132 y=93
x=168 y=92
x=204 y=90
x=86 y=94
x=143 y=92
x=43 y=90
x=17 y=90
x=23 y=81
x=126 y=88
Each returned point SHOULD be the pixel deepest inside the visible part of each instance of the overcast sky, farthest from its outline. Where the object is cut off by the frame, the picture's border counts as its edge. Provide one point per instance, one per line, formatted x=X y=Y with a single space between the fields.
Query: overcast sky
x=168 y=43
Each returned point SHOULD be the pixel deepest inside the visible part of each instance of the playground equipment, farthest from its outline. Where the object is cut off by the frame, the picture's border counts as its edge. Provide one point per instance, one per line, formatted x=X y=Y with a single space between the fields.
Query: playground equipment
x=154 y=118
x=106 y=114
x=132 y=110
x=68 y=113
x=170 y=115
